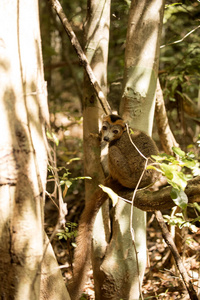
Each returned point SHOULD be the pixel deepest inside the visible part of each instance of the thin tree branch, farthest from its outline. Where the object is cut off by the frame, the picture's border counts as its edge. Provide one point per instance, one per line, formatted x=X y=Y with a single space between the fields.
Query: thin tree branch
x=169 y=240
x=166 y=136
x=81 y=55
x=183 y=38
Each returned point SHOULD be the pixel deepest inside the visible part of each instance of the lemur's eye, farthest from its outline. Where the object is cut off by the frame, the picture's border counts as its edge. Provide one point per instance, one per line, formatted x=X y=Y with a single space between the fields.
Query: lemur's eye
x=115 y=131
x=104 y=128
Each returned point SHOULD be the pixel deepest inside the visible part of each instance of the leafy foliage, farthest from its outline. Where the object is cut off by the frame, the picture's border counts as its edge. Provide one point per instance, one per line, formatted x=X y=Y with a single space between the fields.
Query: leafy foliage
x=179 y=67
x=179 y=220
x=178 y=170
x=69 y=232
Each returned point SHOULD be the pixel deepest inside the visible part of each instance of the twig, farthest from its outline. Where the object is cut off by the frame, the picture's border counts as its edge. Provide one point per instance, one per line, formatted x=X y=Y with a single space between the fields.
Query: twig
x=169 y=240
x=81 y=55
x=179 y=41
x=62 y=206
x=166 y=136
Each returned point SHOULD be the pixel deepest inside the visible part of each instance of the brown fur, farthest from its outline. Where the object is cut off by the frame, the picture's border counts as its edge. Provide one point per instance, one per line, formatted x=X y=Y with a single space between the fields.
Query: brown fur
x=125 y=168
x=83 y=250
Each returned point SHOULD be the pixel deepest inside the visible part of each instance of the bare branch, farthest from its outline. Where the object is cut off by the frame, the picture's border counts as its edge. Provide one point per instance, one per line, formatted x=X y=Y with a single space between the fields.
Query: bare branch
x=169 y=240
x=166 y=136
x=81 y=55
x=183 y=38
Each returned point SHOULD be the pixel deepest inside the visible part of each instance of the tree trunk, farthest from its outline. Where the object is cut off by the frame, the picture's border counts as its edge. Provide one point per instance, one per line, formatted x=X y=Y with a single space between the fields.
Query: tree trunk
x=52 y=283
x=167 y=138
x=23 y=151
x=96 y=50
x=119 y=268
x=23 y=168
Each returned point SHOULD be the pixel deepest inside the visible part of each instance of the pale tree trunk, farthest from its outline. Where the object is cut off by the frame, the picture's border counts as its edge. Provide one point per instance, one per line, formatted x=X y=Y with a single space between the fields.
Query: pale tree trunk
x=52 y=283
x=137 y=107
x=23 y=152
x=118 y=276
x=96 y=50
x=24 y=111
x=115 y=266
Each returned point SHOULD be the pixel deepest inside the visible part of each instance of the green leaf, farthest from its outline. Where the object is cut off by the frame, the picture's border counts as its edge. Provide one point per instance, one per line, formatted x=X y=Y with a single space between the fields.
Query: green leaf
x=195 y=220
x=73 y=159
x=49 y=136
x=191 y=155
x=82 y=177
x=168 y=170
x=178 y=151
x=189 y=163
x=162 y=157
x=173 y=4
x=177 y=179
x=157 y=157
x=179 y=197
x=180 y=179
x=114 y=197
x=69 y=234
x=179 y=221
x=174 y=220
x=53 y=137
x=154 y=168
x=68 y=183
x=196 y=205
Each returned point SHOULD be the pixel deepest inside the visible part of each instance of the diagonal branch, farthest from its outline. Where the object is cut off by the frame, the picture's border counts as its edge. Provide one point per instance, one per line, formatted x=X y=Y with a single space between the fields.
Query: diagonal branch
x=167 y=138
x=179 y=41
x=81 y=55
x=169 y=240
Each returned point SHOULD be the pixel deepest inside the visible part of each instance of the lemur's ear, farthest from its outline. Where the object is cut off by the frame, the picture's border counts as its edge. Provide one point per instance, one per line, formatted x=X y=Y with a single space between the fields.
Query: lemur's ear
x=114 y=120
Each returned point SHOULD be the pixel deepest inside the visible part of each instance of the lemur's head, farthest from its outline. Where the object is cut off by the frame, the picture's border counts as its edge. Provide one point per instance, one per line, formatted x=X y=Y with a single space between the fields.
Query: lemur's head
x=112 y=128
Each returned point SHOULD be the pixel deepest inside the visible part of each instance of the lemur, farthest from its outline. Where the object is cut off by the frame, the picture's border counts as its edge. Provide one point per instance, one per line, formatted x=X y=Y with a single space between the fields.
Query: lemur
x=125 y=165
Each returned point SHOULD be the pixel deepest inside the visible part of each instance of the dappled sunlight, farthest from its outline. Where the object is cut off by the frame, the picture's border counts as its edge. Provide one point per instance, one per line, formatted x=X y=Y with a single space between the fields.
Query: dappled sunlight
x=23 y=152
x=141 y=63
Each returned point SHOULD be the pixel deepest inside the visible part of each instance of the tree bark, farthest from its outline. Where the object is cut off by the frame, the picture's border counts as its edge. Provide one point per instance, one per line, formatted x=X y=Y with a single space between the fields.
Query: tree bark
x=52 y=283
x=166 y=136
x=23 y=165
x=23 y=152
x=96 y=50
x=141 y=62
x=137 y=107
x=97 y=56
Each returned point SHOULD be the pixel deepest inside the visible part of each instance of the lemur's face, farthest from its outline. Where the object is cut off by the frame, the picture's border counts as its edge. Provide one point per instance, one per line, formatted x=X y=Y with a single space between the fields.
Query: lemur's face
x=112 y=128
